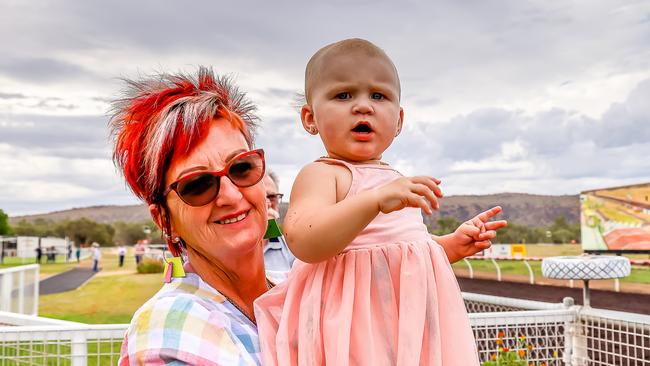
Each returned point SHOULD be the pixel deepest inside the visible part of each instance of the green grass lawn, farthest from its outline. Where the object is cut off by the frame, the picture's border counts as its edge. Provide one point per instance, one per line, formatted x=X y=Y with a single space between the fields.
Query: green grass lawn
x=112 y=296
x=46 y=269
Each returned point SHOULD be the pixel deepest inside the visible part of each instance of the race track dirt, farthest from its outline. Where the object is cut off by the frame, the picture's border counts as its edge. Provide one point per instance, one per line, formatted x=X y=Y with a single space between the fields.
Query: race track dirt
x=620 y=301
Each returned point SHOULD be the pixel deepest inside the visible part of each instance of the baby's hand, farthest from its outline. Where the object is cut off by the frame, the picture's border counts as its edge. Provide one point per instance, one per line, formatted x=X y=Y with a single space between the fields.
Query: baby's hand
x=476 y=234
x=420 y=191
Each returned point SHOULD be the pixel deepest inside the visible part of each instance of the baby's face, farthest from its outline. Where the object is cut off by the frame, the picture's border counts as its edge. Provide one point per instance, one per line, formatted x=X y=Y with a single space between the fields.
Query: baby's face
x=354 y=105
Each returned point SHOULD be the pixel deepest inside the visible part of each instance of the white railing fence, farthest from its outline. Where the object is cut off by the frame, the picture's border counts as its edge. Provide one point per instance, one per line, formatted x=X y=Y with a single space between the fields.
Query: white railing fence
x=19 y=289
x=544 y=334
x=605 y=337
x=76 y=345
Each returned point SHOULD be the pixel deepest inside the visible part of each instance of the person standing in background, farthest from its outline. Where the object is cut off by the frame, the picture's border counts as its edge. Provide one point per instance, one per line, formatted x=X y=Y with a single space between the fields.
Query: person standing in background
x=139 y=252
x=78 y=254
x=277 y=256
x=97 y=255
x=121 y=253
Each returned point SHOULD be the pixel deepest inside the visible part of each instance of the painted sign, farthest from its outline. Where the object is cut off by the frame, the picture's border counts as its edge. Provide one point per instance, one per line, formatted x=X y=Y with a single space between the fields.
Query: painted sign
x=616 y=218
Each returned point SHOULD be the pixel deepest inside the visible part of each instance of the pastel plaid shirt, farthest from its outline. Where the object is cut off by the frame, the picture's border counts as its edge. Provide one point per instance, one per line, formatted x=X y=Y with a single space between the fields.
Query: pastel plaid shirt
x=189 y=322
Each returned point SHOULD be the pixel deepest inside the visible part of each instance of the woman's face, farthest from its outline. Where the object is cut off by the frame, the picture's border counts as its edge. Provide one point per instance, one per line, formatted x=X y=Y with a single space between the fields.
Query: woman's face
x=217 y=230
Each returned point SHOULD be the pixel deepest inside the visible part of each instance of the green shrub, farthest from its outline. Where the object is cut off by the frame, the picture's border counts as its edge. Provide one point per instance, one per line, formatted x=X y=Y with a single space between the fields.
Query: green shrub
x=150 y=266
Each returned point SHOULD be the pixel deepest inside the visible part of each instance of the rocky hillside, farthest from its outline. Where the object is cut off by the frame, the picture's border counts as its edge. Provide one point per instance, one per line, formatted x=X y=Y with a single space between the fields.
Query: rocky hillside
x=524 y=209
x=101 y=214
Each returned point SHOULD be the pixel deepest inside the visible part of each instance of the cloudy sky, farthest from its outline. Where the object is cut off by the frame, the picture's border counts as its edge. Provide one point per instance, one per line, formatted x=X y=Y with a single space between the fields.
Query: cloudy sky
x=545 y=97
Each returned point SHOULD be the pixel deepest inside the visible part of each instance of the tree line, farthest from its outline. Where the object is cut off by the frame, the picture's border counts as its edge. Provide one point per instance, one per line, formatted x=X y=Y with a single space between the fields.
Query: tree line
x=560 y=232
x=86 y=231
x=83 y=231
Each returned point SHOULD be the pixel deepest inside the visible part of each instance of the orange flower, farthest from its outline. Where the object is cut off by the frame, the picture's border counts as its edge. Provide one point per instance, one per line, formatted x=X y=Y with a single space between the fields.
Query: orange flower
x=501 y=334
x=504 y=349
x=522 y=337
x=521 y=353
x=499 y=342
x=494 y=357
x=542 y=364
x=530 y=347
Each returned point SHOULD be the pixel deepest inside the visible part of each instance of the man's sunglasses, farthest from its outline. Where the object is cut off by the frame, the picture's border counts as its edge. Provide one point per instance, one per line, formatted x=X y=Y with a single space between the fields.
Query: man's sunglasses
x=274 y=197
x=201 y=188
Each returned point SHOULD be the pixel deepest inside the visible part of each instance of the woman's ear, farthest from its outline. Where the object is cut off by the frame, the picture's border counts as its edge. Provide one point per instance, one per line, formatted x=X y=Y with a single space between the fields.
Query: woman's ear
x=157 y=216
x=308 y=120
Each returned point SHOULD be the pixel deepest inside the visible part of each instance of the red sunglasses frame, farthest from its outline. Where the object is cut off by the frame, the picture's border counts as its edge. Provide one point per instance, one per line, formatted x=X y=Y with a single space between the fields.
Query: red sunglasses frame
x=221 y=173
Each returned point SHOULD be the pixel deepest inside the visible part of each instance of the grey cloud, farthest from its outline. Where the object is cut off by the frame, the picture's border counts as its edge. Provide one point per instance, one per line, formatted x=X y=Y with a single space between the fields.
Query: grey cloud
x=12 y=96
x=42 y=70
x=64 y=136
x=568 y=144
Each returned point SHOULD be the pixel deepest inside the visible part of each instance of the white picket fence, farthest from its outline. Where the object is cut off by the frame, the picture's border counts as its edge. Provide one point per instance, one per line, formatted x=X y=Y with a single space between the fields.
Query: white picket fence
x=19 y=289
x=553 y=334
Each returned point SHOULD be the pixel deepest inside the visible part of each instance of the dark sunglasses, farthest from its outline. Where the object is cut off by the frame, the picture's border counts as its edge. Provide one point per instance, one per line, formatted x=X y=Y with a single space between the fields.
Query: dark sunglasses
x=274 y=197
x=201 y=188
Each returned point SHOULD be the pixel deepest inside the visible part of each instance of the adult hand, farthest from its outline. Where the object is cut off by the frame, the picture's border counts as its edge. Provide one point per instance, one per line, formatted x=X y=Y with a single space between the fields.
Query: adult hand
x=272 y=214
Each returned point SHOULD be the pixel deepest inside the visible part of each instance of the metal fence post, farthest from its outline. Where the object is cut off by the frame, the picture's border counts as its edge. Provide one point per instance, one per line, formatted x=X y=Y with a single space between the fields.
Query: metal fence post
x=579 y=356
x=469 y=266
x=78 y=349
x=6 y=281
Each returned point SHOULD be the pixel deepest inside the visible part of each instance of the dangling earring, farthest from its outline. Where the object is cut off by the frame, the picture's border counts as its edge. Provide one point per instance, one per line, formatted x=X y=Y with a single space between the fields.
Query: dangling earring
x=172 y=240
x=173 y=266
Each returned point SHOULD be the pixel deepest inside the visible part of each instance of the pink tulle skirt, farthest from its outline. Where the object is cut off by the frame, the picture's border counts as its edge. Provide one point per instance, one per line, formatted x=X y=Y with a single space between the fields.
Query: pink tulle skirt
x=396 y=304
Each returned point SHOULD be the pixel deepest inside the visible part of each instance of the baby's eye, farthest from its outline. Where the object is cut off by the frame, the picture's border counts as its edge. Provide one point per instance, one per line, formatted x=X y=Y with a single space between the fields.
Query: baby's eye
x=377 y=96
x=343 y=95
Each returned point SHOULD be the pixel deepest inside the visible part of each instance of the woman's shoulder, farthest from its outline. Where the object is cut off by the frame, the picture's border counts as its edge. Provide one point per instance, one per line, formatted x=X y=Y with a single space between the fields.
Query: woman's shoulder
x=185 y=322
x=183 y=299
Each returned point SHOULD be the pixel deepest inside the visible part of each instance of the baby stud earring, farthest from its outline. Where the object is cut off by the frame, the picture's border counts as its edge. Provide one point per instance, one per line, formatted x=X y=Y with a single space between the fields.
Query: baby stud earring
x=312 y=130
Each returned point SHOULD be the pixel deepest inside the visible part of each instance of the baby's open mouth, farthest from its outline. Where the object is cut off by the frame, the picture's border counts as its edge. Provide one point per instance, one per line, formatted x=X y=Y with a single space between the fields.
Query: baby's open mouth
x=362 y=127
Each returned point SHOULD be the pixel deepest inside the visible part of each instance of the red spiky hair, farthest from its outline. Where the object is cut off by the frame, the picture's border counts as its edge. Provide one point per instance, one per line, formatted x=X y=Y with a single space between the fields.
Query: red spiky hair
x=163 y=117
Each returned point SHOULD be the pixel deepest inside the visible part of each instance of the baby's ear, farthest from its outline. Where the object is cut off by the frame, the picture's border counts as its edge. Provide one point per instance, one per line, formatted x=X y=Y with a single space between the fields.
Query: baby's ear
x=400 y=121
x=308 y=120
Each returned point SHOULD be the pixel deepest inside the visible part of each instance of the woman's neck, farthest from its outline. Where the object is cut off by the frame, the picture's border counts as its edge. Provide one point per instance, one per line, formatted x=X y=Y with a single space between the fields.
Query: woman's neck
x=241 y=281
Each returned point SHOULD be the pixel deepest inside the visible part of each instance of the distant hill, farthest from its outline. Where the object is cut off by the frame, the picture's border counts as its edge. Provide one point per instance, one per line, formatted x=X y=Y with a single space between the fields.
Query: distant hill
x=520 y=208
x=101 y=214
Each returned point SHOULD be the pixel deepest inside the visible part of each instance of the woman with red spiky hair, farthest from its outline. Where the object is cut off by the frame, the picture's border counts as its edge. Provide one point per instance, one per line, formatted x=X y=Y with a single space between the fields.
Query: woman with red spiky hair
x=185 y=146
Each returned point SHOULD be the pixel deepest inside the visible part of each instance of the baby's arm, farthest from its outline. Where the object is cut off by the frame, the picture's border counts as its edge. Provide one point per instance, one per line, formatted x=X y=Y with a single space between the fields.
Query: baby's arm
x=317 y=227
x=472 y=236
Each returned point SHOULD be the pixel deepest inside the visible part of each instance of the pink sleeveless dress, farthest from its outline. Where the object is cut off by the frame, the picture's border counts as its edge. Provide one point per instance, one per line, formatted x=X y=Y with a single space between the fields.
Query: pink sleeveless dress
x=390 y=298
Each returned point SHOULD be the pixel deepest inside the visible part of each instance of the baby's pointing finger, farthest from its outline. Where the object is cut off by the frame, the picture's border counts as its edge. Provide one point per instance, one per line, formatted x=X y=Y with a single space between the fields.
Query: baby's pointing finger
x=494 y=225
x=487 y=215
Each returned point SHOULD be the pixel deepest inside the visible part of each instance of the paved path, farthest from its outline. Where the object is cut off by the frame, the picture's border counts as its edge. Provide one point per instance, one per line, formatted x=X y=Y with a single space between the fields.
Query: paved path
x=620 y=301
x=66 y=281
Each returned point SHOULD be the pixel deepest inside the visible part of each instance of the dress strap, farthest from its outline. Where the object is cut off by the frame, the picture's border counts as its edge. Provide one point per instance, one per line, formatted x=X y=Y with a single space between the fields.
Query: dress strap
x=351 y=167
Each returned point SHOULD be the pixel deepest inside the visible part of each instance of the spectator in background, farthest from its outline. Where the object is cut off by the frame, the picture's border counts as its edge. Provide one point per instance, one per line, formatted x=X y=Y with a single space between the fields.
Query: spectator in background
x=78 y=254
x=139 y=252
x=121 y=253
x=277 y=256
x=97 y=255
x=69 y=254
x=51 y=254
x=39 y=254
